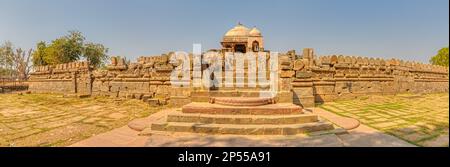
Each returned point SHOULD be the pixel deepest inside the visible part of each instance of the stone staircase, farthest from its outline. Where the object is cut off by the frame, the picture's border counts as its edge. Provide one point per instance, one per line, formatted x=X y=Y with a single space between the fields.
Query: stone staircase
x=242 y=116
x=241 y=110
x=205 y=96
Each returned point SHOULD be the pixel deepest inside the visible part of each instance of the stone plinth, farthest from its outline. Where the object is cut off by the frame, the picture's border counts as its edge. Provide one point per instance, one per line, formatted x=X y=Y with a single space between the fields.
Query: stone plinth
x=241 y=101
x=269 y=109
x=242 y=119
x=242 y=116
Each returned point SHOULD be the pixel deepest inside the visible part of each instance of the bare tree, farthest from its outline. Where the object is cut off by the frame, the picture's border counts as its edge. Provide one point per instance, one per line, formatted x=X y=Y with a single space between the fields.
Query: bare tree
x=22 y=63
x=14 y=63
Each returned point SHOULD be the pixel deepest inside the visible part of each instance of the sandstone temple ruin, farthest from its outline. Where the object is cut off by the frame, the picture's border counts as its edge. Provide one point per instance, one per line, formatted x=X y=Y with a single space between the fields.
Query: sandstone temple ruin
x=304 y=79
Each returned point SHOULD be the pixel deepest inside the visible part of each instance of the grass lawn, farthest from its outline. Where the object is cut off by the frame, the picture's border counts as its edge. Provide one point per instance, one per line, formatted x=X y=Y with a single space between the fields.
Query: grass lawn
x=54 y=120
x=419 y=119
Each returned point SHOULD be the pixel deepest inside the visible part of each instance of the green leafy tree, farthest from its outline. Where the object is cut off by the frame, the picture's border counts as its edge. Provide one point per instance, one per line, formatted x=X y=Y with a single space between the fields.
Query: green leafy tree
x=69 y=48
x=95 y=54
x=6 y=59
x=39 y=54
x=441 y=58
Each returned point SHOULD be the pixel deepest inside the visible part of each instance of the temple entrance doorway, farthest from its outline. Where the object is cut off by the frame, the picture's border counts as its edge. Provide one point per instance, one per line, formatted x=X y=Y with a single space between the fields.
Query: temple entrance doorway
x=240 y=48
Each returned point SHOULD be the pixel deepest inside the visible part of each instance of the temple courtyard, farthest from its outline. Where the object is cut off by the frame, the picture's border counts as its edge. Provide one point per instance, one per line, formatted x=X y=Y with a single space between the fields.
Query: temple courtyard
x=419 y=119
x=54 y=120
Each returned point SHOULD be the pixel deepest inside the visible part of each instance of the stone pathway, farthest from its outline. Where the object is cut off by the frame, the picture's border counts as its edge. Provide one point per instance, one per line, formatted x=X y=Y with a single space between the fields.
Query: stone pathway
x=124 y=137
x=419 y=119
x=361 y=135
x=120 y=137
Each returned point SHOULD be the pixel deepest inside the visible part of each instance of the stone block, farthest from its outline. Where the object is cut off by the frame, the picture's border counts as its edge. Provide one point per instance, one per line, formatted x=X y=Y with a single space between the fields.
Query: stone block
x=303 y=74
x=284 y=97
x=287 y=73
x=177 y=101
x=153 y=102
x=298 y=65
x=303 y=91
x=305 y=101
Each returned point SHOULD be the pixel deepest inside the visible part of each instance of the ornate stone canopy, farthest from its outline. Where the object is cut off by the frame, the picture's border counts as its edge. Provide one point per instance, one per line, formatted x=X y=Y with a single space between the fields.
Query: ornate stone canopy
x=242 y=39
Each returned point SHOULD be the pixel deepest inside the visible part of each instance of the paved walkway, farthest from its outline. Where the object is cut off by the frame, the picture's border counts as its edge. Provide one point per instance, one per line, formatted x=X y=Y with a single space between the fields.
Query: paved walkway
x=362 y=136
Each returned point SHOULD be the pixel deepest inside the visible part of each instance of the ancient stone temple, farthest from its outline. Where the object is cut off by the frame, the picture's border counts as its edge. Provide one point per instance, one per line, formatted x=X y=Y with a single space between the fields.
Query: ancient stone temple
x=302 y=79
x=242 y=39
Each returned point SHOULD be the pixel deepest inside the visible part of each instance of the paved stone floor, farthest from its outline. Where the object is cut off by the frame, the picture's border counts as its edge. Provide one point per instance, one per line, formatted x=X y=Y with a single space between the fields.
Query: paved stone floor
x=52 y=120
x=362 y=136
x=419 y=119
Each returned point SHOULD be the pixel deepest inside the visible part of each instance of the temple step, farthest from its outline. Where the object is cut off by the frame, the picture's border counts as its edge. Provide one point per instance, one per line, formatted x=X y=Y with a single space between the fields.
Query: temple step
x=242 y=119
x=204 y=96
x=231 y=92
x=269 y=109
x=269 y=129
x=242 y=101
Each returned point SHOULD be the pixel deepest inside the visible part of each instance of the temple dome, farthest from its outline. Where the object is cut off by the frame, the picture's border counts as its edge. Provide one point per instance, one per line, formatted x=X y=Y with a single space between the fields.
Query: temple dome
x=255 y=32
x=239 y=30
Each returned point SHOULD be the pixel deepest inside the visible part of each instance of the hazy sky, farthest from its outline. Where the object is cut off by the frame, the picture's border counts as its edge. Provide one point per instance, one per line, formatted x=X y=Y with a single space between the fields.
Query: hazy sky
x=406 y=29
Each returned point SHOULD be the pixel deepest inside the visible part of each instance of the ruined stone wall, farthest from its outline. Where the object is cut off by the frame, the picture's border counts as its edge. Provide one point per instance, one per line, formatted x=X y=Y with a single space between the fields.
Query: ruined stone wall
x=303 y=78
x=328 y=78
x=149 y=78
x=62 y=78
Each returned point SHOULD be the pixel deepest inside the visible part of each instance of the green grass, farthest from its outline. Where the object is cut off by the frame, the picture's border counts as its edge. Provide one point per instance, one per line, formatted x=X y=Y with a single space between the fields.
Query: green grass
x=23 y=111
x=429 y=109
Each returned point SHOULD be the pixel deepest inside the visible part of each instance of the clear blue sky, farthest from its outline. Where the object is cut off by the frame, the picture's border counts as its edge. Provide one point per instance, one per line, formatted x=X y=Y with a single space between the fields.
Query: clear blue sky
x=406 y=29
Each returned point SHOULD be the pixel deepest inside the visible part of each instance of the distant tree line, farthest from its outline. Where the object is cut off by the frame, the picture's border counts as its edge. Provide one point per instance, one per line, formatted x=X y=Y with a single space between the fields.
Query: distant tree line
x=69 y=48
x=17 y=63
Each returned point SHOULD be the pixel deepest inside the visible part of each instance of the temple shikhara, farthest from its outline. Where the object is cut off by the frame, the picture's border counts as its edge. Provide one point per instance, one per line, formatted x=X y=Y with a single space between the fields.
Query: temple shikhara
x=304 y=79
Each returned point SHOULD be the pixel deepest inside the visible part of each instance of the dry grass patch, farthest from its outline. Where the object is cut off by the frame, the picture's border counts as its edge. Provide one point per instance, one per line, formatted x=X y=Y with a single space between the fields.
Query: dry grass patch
x=54 y=120
x=419 y=119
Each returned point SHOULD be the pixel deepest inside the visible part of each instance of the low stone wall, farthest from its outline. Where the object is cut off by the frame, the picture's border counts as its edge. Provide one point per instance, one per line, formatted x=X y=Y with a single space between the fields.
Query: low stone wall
x=62 y=78
x=304 y=79
x=146 y=79
x=328 y=78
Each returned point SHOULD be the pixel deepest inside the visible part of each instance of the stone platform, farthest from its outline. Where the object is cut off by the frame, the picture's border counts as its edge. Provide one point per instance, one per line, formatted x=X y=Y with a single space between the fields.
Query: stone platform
x=362 y=136
x=242 y=101
x=241 y=93
x=242 y=124
x=241 y=116
x=269 y=109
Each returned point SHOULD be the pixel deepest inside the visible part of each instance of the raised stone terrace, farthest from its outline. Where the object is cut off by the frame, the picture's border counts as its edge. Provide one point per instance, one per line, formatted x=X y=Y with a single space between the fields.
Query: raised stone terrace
x=242 y=116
